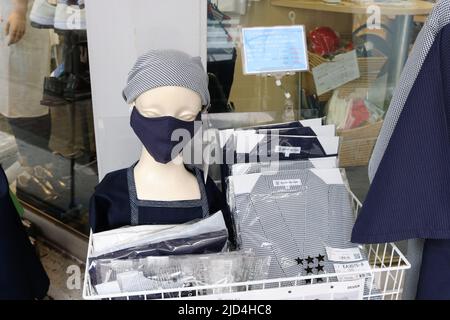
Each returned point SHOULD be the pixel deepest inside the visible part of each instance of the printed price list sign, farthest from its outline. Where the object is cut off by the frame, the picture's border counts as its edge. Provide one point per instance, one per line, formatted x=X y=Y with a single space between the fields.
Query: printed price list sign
x=274 y=49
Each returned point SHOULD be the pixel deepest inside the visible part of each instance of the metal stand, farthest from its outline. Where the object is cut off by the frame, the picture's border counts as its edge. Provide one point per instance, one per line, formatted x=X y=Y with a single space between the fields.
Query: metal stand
x=402 y=27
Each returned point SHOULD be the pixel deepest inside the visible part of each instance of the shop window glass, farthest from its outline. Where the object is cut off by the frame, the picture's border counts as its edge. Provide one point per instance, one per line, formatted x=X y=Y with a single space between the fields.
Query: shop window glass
x=46 y=126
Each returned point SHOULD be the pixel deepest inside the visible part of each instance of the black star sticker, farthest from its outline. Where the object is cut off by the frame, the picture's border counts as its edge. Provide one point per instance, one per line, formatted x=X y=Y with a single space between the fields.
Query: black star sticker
x=309 y=270
x=320 y=258
x=299 y=261
x=310 y=260
x=319 y=268
x=308 y=281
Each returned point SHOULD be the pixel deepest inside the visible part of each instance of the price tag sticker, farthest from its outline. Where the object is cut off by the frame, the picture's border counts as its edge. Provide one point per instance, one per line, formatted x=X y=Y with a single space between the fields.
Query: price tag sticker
x=358 y=270
x=343 y=255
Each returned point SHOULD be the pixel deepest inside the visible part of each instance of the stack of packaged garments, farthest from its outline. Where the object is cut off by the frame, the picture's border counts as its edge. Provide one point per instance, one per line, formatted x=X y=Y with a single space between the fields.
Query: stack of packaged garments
x=291 y=204
x=152 y=257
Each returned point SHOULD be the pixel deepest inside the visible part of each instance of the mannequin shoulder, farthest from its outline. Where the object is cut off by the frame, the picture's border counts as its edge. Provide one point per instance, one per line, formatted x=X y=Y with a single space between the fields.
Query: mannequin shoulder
x=114 y=181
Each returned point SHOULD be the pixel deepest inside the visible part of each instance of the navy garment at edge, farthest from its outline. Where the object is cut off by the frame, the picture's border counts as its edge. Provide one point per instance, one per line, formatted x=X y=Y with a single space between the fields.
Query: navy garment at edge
x=22 y=276
x=409 y=197
x=434 y=281
x=114 y=202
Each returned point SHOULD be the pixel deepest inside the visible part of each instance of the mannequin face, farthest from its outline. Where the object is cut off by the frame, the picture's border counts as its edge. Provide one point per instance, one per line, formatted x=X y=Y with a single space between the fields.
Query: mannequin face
x=177 y=102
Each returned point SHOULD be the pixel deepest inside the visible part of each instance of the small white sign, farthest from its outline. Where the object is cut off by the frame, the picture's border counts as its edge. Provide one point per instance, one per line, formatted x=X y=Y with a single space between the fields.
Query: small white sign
x=331 y=75
x=270 y=50
x=287 y=150
x=288 y=183
x=343 y=255
x=360 y=269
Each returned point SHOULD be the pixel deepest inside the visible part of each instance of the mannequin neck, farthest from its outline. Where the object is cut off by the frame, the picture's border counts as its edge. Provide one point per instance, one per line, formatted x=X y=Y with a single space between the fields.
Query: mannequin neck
x=147 y=166
x=170 y=181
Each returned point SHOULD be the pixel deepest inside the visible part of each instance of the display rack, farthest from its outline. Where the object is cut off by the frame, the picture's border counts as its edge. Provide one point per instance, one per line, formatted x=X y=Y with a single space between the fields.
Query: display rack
x=385 y=282
x=411 y=7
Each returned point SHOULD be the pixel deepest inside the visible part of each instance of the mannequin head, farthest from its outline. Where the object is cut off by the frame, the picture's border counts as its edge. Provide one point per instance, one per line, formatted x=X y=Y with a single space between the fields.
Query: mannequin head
x=168 y=89
x=178 y=102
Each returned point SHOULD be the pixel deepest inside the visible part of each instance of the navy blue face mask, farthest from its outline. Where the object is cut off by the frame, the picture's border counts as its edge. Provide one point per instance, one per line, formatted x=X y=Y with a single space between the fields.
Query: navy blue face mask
x=156 y=134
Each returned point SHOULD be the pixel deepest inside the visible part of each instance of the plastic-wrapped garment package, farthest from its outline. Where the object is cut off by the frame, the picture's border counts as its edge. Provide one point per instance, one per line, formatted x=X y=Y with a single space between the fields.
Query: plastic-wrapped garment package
x=250 y=147
x=152 y=273
x=294 y=124
x=303 y=127
x=275 y=166
x=136 y=236
x=292 y=216
x=210 y=242
x=322 y=131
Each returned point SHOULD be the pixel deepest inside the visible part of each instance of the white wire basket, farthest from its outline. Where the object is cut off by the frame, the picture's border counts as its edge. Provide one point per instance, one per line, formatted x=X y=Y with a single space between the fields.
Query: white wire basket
x=385 y=280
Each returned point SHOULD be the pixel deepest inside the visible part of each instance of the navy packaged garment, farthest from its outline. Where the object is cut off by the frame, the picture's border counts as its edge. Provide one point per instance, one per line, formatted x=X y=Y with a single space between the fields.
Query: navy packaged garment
x=409 y=197
x=210 y=242
x=114 y=204
x=22 y=276
x=434 y=279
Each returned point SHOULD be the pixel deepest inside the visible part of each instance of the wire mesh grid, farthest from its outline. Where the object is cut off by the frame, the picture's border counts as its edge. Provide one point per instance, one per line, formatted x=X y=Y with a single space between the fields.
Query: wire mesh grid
x=387 y=263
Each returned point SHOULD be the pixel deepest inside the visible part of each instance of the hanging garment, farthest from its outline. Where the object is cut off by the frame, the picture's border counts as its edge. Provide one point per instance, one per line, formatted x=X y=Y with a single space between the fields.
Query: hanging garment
x=22 y=276
x=23 y=67
x=408 y=198
x=114 y=203
x=292 y=216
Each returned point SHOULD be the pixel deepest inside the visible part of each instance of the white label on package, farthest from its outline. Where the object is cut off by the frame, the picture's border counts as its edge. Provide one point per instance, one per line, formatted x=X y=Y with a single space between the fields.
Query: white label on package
x=331 y=75
x=287 y=150
x=359 y=269
x=343 y=255
x=288 y=183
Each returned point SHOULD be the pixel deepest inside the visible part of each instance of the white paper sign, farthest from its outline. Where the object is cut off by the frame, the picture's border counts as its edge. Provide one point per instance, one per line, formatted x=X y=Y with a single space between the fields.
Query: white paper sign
x=348 y=290
x=331 y=75
x=343 y=255
x=361 y=270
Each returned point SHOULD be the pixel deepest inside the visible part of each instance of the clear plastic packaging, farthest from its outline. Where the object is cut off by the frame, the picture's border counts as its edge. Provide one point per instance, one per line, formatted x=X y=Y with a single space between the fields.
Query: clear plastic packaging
x=170 y=272
x=203 y=243
x=292 y=216
x=138 y=236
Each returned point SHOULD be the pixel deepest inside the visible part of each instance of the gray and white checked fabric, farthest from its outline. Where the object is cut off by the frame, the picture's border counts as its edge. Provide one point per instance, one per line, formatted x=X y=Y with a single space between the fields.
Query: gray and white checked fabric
x=298 y=222
x=275 y=166
x=160 y=68
x=438 y=18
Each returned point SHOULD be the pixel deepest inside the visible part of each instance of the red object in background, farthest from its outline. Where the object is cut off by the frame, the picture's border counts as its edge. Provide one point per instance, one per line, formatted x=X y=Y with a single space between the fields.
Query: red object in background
x=324 y=40
x=358 y=114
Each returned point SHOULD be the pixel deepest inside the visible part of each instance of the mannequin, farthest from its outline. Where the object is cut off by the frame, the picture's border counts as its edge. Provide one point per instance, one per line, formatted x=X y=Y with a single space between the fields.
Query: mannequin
x=167 y=90
x=170 y=181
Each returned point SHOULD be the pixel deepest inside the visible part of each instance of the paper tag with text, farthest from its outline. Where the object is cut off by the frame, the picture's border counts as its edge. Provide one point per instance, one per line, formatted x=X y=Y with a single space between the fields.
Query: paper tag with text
x=359 y=269
x=343 y=255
